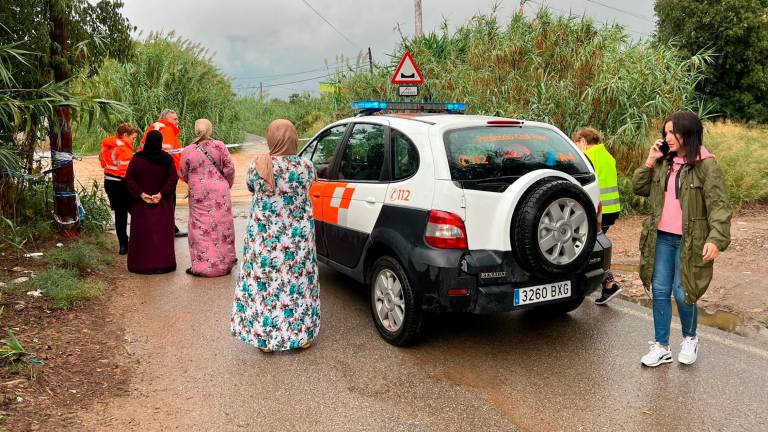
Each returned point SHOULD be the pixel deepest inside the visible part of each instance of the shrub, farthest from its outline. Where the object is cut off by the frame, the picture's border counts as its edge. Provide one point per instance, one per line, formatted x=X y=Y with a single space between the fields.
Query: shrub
x=83 y=256
x=98 y=214
x=65 y=289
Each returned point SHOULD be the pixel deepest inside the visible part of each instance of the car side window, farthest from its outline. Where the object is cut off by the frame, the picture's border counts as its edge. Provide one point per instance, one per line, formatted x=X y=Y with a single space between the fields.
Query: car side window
x=363 y=157
x=325 y=150
x=405 y=156
x=307 y=151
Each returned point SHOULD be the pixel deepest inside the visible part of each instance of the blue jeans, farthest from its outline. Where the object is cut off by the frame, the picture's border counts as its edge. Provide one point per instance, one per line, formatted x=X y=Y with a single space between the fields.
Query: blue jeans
x=666 y=281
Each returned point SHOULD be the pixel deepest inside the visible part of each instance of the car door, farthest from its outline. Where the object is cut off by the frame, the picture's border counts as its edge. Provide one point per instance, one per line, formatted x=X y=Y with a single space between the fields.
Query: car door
x=322 y=152
x=358 y=192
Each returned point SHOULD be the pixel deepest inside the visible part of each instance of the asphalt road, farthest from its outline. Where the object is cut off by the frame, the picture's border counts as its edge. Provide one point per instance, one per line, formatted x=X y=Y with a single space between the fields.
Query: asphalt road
x=482 y=373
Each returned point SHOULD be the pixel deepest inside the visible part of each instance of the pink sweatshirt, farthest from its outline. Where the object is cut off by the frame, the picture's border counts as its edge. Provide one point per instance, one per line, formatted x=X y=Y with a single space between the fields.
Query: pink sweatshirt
x=672 y=215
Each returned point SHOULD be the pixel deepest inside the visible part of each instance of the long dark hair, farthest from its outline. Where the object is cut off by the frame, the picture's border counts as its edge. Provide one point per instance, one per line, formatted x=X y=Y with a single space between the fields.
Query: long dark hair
x=688 y=126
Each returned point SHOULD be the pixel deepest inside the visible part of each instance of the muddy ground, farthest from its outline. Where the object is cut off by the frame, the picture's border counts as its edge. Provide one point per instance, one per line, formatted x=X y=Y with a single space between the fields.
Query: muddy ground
x=77 y=355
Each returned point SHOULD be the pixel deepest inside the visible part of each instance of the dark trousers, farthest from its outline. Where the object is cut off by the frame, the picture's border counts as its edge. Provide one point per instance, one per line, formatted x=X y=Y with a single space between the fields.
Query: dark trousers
x=608 y=220
x=120 y=202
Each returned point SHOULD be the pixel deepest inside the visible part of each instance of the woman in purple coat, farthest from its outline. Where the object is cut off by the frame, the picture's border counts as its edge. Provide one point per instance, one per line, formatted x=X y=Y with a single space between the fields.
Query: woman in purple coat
x=151 y=181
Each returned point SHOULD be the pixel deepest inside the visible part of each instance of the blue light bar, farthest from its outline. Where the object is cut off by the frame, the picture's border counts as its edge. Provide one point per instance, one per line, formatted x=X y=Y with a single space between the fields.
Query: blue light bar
x=434 y=107
x=368 y=105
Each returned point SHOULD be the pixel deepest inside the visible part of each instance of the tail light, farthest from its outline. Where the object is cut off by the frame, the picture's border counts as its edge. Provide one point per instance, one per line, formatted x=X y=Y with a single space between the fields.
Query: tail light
x=445 y=231
x=599 y=217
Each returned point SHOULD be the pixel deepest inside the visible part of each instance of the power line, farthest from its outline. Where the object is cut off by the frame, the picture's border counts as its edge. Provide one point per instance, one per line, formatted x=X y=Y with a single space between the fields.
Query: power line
x=570 y=12
x=298 y=81
x=332 y=26
x=636 y=15
x=289 y=73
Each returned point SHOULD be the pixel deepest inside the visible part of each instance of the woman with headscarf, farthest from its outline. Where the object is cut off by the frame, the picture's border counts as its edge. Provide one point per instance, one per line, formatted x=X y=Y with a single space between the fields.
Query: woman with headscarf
x=151 y=180
x=277 y=296
x=209 y=171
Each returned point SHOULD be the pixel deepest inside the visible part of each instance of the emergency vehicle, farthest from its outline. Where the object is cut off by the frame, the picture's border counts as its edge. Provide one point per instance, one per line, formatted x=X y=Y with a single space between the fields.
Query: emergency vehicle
x=439 y=211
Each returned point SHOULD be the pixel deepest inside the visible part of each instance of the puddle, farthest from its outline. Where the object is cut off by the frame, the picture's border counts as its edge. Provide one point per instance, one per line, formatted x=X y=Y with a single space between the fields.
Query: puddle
x=726 y=321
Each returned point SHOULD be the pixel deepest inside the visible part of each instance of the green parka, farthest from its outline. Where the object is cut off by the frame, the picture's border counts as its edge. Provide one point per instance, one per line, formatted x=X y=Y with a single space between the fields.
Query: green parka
x=706 y=219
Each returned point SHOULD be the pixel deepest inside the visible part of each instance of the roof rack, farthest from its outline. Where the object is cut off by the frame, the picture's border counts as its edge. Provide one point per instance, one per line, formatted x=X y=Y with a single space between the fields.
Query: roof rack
x=371 y=107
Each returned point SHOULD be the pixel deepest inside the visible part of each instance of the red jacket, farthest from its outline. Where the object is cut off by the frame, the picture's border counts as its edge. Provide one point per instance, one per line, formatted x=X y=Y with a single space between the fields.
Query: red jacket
x=171 y=143
x=115 y=155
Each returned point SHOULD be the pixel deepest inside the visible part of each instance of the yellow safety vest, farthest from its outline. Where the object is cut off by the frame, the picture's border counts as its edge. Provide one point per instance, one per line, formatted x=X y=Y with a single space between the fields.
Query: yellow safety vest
x=605 y=168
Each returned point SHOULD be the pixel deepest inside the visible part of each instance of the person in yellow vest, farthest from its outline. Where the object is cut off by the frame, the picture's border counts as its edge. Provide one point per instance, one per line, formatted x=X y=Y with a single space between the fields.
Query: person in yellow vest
x=115 y=155
x=588 y=140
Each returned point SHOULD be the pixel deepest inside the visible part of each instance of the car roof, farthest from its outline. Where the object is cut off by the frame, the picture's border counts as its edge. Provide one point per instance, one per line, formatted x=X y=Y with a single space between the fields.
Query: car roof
x=441 y=120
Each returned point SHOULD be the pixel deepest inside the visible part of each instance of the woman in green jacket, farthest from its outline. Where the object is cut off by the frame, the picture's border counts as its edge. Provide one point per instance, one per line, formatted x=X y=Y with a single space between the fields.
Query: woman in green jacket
x=688 y=226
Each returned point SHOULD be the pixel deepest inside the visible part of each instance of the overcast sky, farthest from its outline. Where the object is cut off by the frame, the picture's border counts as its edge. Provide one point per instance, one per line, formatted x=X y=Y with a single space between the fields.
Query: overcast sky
x=272 y=40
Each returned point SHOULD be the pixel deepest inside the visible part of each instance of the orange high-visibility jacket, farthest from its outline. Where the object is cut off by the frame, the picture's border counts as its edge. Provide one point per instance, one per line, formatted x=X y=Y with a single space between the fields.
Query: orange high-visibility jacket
x=115 y=155
x=170 y=140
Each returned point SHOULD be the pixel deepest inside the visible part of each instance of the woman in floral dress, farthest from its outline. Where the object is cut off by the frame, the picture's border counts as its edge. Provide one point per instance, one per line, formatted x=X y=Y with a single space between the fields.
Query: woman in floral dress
x=277 y=296
x=209 y=172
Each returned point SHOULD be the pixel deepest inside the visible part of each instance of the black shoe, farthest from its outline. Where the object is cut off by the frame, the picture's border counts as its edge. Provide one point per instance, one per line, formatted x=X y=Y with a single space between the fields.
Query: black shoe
x=123 y=249
x=178 y=233
x=190 y=272
x=608 y=294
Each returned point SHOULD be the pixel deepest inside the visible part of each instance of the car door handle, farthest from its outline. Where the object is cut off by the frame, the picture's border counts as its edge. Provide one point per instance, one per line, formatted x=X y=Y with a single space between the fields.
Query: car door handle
x=370 y=200
x=316 y=196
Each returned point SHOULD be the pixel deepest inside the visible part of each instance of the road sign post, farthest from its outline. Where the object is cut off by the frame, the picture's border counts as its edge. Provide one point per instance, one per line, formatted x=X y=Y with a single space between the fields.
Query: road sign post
x=407 y=76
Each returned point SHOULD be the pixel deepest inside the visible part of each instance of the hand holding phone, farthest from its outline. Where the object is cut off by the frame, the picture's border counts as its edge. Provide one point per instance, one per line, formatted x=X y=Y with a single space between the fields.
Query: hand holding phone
x=664 y=147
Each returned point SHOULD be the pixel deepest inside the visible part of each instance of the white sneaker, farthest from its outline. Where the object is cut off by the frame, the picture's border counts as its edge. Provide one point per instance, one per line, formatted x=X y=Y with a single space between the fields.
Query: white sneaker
x=689 y=350
x=657 y=355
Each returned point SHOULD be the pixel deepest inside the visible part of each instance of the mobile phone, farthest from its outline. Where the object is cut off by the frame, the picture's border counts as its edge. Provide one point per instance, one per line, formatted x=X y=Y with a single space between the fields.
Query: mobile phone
x=664 y=147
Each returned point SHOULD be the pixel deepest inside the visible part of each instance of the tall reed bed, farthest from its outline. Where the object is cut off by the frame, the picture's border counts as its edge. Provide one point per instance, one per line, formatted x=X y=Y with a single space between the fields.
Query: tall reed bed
x=165 y=72
x=565 y=70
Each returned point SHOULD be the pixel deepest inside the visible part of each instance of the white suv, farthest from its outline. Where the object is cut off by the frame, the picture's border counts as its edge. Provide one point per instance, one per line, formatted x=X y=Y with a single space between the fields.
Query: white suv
x=439 y=211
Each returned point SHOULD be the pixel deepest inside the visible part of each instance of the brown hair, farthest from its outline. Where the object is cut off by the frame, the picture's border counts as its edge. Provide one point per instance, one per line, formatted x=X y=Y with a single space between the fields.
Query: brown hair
x=688 y=126
x=591 y=135
x=126 y=128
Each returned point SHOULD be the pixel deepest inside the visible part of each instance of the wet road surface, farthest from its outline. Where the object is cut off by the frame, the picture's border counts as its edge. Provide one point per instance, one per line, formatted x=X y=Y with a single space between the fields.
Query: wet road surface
x=483 y=373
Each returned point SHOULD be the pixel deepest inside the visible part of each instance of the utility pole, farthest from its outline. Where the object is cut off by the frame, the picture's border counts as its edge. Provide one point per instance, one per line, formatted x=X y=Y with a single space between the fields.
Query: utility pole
x=417 y=5
x=370 y=59
x=521 y=11
x=65 y=200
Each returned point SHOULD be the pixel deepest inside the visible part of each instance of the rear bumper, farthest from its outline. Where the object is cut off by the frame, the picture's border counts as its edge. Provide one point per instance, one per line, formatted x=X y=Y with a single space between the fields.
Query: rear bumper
x=491 y=277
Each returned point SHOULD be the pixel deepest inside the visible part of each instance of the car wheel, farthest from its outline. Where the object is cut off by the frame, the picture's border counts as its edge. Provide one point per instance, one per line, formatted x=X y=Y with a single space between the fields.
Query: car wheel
x=561 y=308
x=395 y=312
x=554 y=229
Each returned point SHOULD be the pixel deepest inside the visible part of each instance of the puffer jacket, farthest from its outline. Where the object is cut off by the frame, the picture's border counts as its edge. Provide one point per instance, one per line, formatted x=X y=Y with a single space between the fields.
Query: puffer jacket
x=706 y=219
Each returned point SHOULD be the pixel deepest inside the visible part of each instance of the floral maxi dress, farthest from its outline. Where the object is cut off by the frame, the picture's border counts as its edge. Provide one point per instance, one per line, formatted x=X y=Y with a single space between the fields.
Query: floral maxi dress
x=277 y=296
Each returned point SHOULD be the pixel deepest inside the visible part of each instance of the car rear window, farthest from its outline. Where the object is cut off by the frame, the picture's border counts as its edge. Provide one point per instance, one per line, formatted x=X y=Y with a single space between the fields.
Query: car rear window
x=484 y=152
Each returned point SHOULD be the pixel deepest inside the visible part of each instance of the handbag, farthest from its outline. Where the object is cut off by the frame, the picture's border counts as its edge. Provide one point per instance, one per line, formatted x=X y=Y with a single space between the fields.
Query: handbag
x=215 y=165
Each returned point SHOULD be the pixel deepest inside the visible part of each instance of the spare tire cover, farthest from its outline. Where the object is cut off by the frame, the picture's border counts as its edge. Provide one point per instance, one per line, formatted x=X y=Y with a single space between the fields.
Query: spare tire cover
x=554 y=228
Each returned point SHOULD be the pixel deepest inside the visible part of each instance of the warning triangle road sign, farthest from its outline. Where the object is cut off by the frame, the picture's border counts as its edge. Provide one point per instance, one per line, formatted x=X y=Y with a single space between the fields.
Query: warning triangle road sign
x=407 y=72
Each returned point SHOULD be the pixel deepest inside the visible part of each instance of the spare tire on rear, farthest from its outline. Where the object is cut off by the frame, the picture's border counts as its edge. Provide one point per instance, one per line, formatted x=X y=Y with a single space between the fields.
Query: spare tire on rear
x=554 y=228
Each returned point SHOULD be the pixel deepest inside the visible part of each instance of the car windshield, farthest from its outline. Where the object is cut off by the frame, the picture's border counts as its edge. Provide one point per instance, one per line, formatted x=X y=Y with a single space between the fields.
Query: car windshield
x=483 y=152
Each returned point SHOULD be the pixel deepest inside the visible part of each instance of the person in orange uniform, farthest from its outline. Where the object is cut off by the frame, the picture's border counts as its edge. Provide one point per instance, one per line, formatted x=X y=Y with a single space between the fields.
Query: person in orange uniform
x=168 y=125
x=115 y=155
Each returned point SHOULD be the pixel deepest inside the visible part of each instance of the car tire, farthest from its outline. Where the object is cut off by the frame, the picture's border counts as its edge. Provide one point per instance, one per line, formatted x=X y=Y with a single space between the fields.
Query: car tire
x=548 y=240
x=561 y=308
x=393 y=305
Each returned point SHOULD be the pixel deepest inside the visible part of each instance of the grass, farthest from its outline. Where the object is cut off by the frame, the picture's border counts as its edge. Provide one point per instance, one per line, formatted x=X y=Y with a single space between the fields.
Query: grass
x=65 y=289
x=11 y=349
x=84 y=256
x=742 y=152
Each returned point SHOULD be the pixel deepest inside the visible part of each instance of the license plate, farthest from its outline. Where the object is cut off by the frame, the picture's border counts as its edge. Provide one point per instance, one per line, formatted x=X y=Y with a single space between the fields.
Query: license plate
x=541 y=293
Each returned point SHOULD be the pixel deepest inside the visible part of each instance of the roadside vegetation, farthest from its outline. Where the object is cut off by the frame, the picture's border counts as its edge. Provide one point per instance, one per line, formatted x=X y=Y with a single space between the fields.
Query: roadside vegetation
x=565 y=70
x=164 y=72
